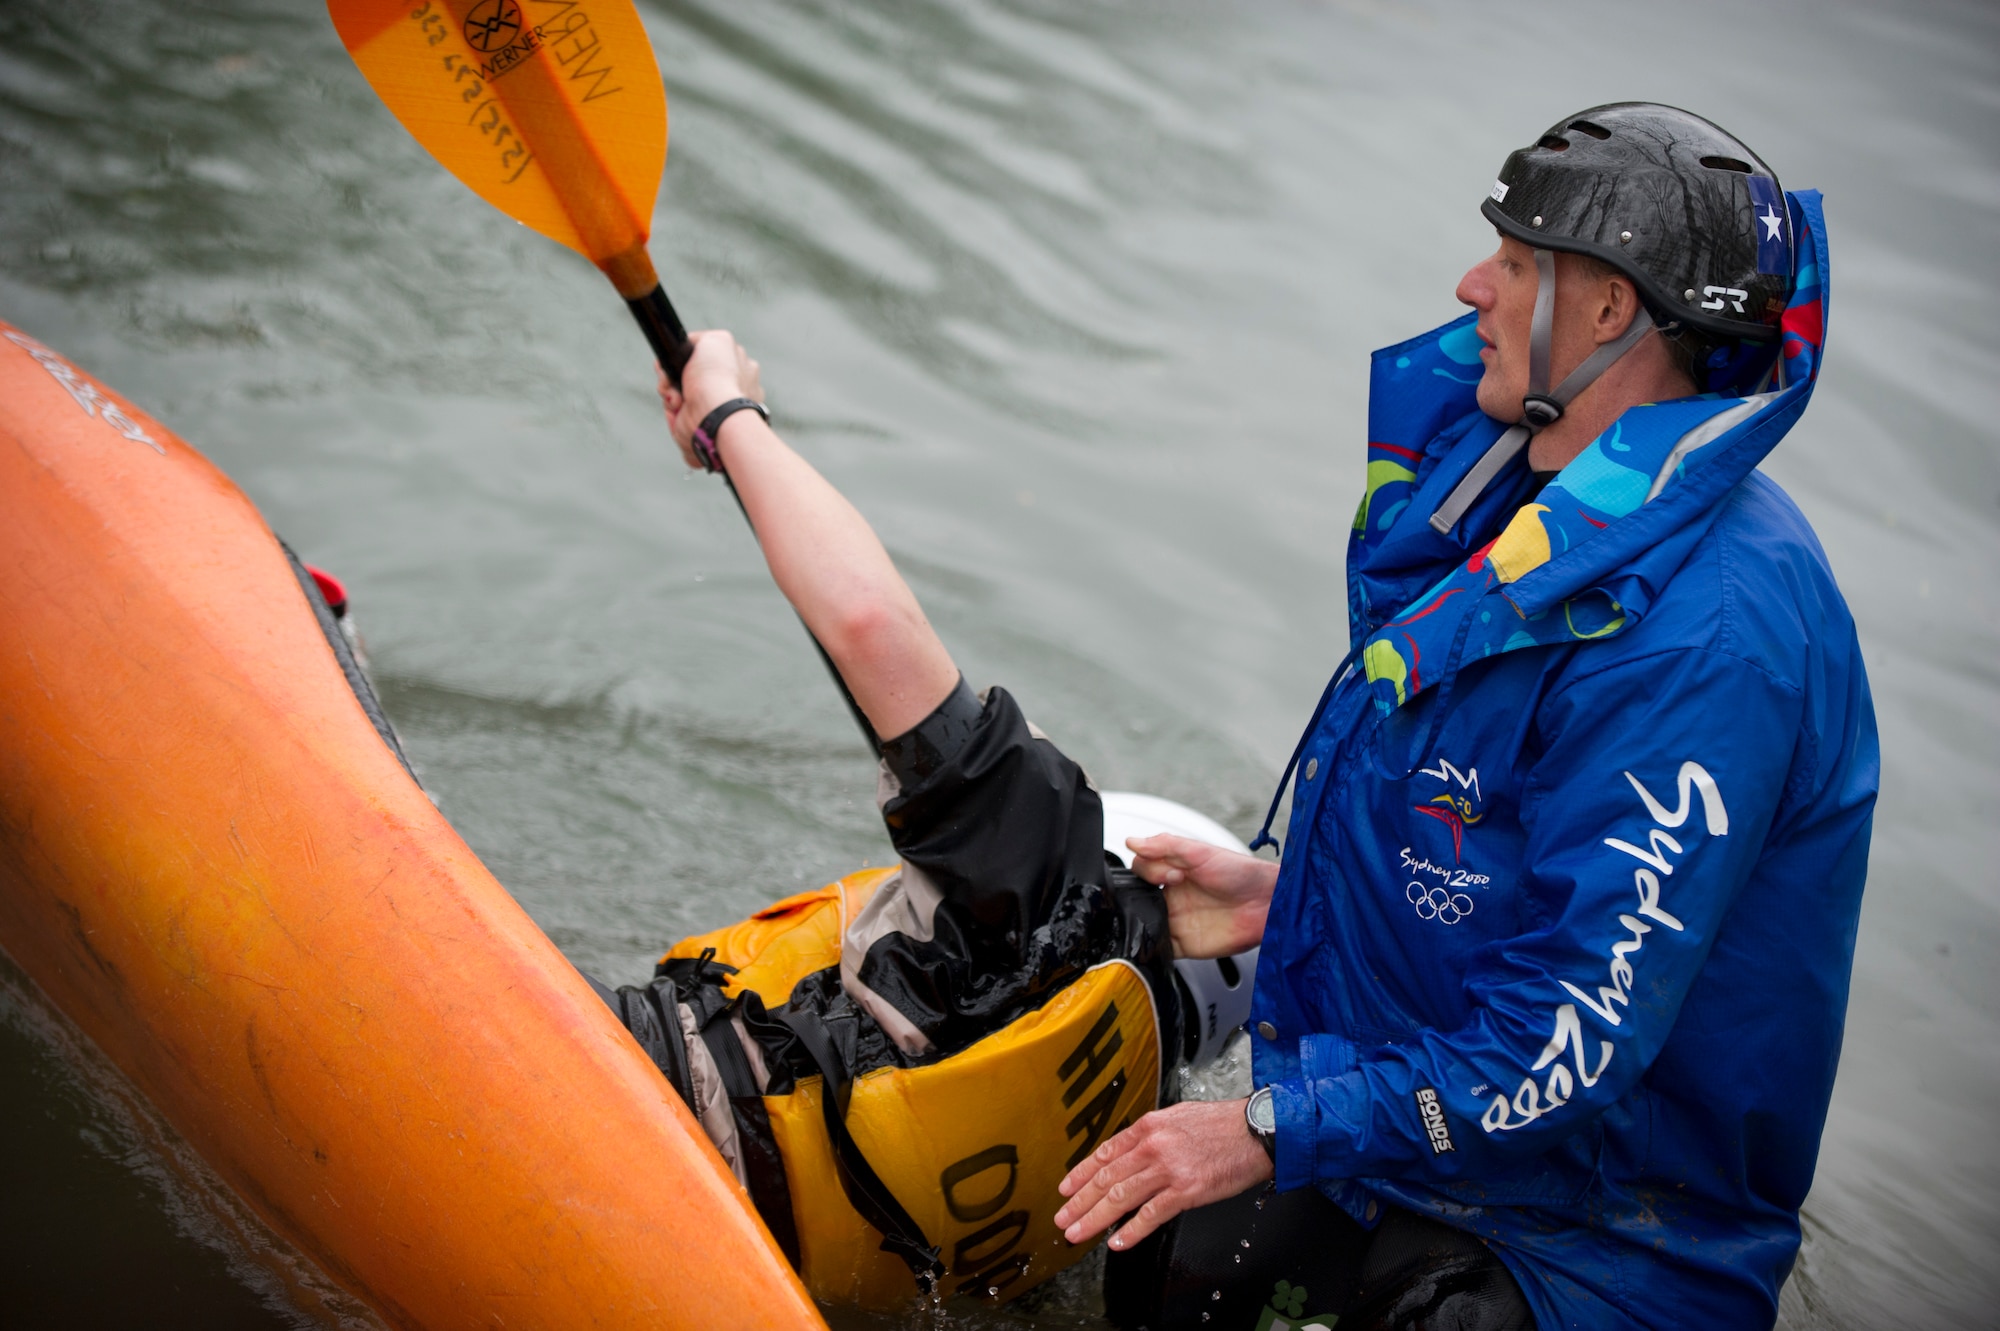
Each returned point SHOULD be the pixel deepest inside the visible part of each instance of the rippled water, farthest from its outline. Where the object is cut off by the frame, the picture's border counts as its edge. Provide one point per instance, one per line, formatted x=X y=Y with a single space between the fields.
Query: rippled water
x=1075 y=302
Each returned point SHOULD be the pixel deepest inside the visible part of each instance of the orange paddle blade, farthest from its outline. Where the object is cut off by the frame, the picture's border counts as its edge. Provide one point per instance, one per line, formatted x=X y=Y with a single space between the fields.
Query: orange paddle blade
x=550 y=110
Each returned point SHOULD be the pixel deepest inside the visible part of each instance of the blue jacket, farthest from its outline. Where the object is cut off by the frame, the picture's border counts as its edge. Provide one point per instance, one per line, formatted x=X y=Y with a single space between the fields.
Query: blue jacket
x=1560 y=944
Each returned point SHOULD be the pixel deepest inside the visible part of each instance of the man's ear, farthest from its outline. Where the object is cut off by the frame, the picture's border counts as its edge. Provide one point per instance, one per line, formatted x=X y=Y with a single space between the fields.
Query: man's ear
x=1621 y=302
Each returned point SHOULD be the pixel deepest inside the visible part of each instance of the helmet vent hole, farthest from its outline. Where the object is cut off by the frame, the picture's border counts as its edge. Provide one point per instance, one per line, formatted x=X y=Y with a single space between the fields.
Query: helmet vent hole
x=1585 y=127
x=1231 y=975
x=1553 y=143
x=1726 y=164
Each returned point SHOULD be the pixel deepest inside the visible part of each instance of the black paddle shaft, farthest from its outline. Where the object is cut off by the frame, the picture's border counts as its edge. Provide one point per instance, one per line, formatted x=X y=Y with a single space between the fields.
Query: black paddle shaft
x=668 y=335
x=664 y=329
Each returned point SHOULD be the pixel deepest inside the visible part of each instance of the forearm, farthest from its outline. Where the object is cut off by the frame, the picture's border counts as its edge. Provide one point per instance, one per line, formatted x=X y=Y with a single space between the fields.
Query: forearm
x=832 y=568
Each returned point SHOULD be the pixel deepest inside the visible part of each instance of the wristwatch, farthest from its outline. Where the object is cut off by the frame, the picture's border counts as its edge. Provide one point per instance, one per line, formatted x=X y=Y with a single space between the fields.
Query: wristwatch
x=709 y=431
x=1262 y=1116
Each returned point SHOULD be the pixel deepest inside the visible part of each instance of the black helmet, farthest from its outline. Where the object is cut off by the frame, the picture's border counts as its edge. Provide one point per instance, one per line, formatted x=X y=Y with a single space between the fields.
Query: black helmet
x=1673 y=201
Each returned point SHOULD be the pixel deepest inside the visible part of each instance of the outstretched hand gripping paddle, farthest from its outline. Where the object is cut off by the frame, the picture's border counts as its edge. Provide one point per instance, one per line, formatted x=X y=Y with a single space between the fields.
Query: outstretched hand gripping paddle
x=551 y=111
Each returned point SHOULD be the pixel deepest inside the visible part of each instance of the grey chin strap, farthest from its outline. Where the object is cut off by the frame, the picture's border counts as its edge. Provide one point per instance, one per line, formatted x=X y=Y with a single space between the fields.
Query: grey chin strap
x=1540 y=408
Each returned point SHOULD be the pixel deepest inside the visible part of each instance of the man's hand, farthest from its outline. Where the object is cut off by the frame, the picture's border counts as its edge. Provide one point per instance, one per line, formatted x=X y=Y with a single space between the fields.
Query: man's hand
x=1216 y=899
x=718 y=371
x=1172 y=1160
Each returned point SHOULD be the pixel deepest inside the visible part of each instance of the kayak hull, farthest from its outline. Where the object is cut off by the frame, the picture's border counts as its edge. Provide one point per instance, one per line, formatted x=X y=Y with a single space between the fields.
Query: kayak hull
x=212 y=863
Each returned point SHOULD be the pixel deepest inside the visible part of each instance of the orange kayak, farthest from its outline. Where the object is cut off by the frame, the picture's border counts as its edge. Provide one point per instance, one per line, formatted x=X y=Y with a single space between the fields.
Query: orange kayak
x=214 y=864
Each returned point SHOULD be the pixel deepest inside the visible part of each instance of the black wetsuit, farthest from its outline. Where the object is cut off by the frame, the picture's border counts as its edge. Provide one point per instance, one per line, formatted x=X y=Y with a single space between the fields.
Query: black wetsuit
x=1298 y=1256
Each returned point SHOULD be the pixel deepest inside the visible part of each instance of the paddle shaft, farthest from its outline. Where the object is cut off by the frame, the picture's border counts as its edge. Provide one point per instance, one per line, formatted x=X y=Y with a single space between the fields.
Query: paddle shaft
x=662 y=326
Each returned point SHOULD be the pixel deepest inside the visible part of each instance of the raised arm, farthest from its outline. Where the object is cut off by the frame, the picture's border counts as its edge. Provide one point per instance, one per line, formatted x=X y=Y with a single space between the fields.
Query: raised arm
x=822 y=553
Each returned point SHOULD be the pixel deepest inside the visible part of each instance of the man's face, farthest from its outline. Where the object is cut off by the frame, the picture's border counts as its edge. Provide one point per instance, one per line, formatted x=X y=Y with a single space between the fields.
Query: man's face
x=1502 y=288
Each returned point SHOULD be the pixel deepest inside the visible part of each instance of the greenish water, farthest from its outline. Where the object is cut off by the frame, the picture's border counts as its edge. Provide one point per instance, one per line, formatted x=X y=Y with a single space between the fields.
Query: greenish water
x=1075 y=302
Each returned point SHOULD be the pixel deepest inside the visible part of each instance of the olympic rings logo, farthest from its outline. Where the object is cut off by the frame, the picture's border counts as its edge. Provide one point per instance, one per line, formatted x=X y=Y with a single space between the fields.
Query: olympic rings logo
x=1438 y=904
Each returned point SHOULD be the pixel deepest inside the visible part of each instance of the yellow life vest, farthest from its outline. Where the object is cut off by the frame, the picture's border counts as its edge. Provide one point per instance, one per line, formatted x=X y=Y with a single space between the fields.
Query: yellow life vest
x=972 y=1145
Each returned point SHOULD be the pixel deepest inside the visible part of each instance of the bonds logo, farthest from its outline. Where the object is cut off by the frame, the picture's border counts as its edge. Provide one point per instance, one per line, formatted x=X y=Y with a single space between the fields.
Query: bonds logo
x=1458 y=808
x=1432 y=1113
x=492 y=25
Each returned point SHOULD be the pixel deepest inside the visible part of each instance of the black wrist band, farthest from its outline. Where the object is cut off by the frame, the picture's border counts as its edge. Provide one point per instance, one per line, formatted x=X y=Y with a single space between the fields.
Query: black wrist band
x=707 y=433
x=914 y=756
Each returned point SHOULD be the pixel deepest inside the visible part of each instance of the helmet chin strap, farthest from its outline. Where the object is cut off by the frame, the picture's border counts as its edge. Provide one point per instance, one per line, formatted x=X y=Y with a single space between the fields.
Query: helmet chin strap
x=1540 y=408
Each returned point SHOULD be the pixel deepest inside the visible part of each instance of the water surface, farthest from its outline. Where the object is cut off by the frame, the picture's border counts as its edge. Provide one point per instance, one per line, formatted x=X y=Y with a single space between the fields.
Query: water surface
x=1075 y=301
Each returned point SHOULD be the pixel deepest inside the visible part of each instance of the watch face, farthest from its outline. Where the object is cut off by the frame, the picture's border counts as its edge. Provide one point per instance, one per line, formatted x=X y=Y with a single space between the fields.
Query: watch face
x=1263 y=1115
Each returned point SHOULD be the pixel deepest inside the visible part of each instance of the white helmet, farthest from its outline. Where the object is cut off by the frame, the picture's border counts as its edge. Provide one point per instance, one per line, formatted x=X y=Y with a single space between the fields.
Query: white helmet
x=1216 y=993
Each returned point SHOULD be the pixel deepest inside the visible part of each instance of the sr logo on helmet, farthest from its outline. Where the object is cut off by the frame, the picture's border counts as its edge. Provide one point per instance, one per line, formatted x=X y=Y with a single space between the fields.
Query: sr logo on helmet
x=1718 y=296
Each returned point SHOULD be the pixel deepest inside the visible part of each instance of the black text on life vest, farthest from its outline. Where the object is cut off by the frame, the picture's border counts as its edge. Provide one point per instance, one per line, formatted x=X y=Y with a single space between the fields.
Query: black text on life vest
x=985 y=1257
x=1093 y=1055
x=979 y=1187
x=956 y=1177
x=988 y=1254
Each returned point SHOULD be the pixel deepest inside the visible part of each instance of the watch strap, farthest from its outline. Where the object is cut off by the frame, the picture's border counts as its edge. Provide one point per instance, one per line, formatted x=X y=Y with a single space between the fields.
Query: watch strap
x=709 y=431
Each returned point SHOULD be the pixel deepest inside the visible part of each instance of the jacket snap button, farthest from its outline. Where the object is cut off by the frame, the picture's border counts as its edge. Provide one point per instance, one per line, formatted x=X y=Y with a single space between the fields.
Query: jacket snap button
x=1372 y=1210
x=1312 y=768
x=1267 y=1030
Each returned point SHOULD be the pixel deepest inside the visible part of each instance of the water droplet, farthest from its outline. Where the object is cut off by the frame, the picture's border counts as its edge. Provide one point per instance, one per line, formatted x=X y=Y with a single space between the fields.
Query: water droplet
x=1239 y=1259
x=992 y=1291
x=1204 y=1316
x=1216 y=1297
x=1244 y=1242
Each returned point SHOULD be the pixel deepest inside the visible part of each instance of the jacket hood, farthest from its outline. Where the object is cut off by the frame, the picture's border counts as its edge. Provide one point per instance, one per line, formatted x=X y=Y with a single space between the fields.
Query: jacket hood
x=1587 y=556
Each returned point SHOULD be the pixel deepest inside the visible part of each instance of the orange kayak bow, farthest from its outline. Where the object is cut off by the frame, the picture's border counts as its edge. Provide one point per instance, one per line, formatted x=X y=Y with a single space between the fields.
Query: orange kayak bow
x=215 y=866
